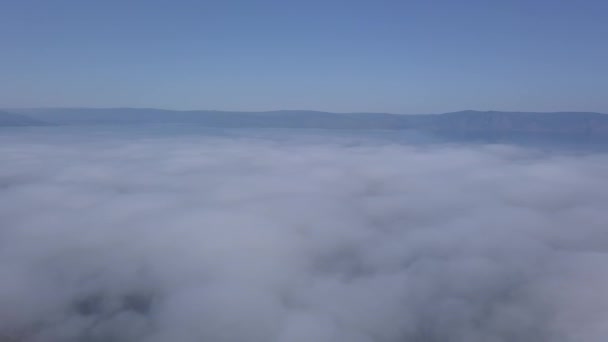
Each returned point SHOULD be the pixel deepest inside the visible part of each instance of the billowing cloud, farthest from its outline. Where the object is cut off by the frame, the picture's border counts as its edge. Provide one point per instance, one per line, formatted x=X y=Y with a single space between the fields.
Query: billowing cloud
x=227 y=239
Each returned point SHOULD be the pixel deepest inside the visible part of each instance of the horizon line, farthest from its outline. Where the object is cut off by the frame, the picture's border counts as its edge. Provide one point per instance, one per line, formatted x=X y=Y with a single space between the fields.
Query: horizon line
x=292 y=110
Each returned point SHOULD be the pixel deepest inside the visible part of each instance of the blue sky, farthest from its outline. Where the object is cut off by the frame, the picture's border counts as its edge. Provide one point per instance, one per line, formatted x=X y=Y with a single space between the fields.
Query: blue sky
x=387 y=56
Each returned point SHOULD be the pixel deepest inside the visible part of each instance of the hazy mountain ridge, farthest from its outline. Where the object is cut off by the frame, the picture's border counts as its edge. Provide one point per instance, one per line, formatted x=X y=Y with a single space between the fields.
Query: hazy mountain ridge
x=469 y=124
x=14 y=119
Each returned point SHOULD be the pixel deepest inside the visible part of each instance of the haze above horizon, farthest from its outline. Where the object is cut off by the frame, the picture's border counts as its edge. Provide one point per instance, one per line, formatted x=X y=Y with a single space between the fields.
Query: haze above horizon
x=336 y=56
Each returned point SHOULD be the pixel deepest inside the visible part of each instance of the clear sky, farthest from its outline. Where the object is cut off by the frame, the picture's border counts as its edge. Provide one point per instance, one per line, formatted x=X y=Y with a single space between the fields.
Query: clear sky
x=419 y=56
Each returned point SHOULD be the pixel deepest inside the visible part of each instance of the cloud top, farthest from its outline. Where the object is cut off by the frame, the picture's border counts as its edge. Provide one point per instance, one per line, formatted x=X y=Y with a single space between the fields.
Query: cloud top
x=190 y=238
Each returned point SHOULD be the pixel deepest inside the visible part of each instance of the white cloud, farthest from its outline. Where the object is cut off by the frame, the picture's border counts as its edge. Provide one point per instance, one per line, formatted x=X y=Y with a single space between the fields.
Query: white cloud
x=190 y=238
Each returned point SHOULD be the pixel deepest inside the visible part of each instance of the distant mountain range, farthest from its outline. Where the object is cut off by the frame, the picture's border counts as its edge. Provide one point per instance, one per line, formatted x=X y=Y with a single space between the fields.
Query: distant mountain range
x=14 y=119
x=469 y=124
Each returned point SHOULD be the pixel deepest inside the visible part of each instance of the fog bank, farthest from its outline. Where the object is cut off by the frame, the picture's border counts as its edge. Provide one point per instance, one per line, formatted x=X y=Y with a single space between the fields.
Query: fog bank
x=241 y=238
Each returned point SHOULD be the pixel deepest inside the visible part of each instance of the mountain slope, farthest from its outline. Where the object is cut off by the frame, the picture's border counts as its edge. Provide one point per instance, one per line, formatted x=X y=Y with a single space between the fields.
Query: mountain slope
x=491 y=125
x=14 y=119
x=565 y=125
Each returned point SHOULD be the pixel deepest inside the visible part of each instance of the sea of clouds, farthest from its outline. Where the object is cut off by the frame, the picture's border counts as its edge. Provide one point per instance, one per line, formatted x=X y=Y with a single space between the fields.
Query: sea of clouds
x=298 y=238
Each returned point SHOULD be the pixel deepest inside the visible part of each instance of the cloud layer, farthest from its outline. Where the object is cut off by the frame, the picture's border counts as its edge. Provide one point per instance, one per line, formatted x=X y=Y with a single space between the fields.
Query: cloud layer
x=189 y=238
